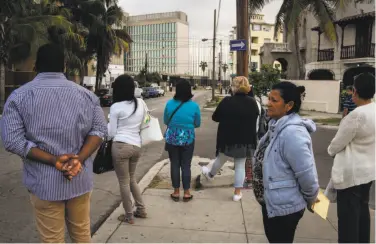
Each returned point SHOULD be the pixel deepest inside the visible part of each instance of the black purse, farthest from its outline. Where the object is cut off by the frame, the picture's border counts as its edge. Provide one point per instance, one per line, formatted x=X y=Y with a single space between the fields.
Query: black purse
x=103 y=159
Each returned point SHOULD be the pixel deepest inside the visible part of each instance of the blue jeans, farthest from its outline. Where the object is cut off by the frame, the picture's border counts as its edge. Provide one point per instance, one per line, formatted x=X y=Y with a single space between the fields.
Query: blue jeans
x=239 y=168
x=180 y=158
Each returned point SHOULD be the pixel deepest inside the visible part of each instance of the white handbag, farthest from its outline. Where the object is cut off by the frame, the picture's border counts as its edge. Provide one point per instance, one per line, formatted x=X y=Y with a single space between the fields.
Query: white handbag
x=150 y=130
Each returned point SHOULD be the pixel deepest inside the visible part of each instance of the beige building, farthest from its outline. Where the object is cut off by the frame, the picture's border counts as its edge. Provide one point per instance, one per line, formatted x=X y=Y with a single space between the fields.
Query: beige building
x=163 y=39
x=352 y=54
x=260 y=32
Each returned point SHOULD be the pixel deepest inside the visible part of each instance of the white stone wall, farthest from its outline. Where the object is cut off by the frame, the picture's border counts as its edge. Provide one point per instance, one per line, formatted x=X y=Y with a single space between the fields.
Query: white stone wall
x=321 y=95
x=182 y=50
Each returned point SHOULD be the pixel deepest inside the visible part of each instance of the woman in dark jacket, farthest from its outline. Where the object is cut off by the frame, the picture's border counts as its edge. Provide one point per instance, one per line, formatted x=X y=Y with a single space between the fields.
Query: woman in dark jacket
x=236 y=136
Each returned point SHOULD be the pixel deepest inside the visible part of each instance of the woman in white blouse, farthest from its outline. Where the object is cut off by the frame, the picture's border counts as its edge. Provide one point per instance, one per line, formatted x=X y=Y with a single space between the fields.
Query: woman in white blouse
x=354 y=164
x=126 y=115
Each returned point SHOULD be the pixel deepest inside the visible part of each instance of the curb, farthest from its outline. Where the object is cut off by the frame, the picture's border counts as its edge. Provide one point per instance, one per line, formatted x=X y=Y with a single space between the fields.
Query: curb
x=111 y=224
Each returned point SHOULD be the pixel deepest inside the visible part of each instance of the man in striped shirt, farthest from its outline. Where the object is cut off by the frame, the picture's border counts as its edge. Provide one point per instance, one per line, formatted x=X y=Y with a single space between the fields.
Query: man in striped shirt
x=55 y=125
x=348 y=104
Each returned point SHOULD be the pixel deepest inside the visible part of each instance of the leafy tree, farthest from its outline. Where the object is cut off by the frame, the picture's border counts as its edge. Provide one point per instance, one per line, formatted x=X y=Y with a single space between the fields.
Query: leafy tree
x=263 y=80
x=23 y=28
x=107 y=36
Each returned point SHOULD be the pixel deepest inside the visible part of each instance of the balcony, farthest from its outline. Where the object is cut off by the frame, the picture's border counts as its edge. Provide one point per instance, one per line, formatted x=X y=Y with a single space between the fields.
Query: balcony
x=325 y=55
x=353 y=51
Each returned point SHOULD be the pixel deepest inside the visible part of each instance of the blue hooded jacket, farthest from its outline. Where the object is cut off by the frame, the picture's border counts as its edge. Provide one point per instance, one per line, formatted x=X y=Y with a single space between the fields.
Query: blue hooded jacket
x=289 y=170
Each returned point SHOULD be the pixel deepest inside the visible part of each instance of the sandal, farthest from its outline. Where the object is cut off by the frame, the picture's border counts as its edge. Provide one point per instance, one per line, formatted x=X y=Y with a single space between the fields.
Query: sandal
x=139 y=214
x=175 y=198
x=122 y=218
x=187 y=199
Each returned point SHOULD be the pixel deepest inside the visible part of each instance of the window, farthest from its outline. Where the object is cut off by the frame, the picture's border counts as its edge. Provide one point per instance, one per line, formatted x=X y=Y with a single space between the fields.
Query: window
x=266 y=28
x=254 y=52
x=267 y=40
x=256 y=27
x=255 y=40
x=254 y=66
x=174 y=27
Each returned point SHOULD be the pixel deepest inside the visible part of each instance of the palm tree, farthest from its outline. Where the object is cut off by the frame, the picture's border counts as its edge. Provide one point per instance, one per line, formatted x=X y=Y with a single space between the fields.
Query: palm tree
x=224 y=68
x=107 y=36
x=203 y=65
x=23 y=28
x=290 y=15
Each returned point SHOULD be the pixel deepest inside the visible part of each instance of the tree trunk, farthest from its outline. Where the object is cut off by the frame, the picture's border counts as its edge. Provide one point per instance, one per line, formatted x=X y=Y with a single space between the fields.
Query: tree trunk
x=301 y=68
x=2 y=86
x=97 y=79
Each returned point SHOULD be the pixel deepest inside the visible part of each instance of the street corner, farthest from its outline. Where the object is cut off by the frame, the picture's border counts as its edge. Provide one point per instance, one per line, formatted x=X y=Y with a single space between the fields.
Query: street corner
x=224 y=178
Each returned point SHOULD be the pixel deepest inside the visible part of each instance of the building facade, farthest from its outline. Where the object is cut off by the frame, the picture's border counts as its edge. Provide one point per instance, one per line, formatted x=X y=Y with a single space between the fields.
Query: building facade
x=161 y=40
x=352 y=54
x=260 y=32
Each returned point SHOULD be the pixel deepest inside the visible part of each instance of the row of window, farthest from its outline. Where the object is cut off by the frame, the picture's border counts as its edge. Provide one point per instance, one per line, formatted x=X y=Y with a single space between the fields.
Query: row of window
x=154 y=28
x=258 y=27
x=151 y=62
x=153 y=37
x=154 y=53
x=160 y=69
x=144 y=46
x=255 y=40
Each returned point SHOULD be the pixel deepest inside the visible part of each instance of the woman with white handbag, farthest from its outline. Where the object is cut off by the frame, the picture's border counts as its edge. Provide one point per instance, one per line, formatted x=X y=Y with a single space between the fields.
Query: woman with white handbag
x=127 y=116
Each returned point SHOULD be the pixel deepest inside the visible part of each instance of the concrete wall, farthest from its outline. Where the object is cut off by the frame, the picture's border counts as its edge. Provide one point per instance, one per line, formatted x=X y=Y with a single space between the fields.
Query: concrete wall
x=321 y=95
x=182 y=50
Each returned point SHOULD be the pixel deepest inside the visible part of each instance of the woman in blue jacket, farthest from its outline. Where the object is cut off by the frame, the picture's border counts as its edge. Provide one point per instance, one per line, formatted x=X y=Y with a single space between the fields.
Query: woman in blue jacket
x=181 y=116
x=285 y=178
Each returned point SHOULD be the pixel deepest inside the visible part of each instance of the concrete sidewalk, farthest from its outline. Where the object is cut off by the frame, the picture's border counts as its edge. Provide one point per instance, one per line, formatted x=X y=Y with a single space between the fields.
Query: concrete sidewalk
x=210 y=217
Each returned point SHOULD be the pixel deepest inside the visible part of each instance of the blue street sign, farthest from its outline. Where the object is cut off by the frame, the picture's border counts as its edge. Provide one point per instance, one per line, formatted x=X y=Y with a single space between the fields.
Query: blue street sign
x=238 y=45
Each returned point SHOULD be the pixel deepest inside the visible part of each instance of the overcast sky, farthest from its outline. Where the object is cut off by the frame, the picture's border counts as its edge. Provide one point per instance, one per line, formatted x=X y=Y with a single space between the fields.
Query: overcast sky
x=200 y=13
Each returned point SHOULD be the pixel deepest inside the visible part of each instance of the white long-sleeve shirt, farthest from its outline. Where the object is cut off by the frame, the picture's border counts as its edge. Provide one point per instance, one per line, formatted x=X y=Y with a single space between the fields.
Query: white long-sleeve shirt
x=354 y=149
x=125 y=126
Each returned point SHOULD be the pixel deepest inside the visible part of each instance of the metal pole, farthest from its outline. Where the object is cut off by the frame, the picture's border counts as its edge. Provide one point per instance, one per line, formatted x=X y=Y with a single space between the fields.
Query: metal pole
x=242 y=33
x=214 y=40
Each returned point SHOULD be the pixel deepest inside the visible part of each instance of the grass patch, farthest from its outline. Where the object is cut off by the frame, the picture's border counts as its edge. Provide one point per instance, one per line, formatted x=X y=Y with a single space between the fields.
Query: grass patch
x=213 y=103
x=328 y=121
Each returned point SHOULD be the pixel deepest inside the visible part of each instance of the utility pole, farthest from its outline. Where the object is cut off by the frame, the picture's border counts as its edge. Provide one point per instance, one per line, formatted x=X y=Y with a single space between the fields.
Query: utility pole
x=242 y=27
x=214 y=40
x=220 y=63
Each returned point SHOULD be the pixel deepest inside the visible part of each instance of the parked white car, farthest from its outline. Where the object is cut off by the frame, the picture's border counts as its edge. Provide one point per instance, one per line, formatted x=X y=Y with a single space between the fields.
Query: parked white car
x=137 y=90
x=161 y=92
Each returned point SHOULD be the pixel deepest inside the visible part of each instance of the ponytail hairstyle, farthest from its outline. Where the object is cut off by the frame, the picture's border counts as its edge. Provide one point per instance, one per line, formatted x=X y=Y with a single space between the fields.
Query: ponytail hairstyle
x=123 y=90
x=291 y=93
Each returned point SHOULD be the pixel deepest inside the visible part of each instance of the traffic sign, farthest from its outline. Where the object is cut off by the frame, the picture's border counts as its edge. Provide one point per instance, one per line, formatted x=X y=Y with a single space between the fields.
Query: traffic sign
x=238 y=45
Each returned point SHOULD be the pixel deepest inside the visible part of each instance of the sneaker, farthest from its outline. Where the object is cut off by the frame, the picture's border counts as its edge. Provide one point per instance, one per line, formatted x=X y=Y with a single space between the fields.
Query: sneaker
x=206 y=172
x=237 y=198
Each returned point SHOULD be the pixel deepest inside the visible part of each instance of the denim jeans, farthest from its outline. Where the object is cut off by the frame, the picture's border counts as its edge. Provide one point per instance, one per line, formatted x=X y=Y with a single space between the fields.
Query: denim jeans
x=239 y=168
x=180 y=158
x=354 y=224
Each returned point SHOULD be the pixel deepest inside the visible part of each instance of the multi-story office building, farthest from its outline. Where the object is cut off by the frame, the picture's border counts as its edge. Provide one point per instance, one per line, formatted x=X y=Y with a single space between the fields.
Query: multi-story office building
x=161 y=39
x=260 y=32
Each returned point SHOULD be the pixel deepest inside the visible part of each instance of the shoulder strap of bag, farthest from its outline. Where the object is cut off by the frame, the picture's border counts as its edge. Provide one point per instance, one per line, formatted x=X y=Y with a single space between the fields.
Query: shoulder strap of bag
x=173 y=113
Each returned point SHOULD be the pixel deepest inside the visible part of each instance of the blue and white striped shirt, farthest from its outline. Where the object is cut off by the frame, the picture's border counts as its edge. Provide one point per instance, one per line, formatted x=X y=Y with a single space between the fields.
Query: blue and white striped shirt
x=54 y=115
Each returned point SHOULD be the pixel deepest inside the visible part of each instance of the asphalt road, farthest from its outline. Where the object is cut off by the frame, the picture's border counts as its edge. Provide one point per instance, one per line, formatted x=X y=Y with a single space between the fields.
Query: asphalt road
x=16 y=218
